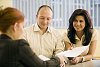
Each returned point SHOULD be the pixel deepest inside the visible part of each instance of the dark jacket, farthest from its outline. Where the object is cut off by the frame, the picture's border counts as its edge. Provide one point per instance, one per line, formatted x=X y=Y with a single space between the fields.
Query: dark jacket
x=17 y=53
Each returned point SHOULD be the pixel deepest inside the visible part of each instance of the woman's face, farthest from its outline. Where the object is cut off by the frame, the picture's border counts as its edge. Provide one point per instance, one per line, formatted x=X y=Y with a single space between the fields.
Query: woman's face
x=79 y=23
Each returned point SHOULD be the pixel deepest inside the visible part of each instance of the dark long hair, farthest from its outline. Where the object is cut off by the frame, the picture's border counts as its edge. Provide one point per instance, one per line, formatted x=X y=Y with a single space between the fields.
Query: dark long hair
x=87 y=30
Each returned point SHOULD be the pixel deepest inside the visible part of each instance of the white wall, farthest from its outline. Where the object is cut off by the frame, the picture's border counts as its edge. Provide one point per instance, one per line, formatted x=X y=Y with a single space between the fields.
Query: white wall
x=6 y=3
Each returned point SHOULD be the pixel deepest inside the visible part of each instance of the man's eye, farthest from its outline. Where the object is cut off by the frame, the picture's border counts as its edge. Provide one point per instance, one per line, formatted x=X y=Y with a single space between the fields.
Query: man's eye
x=48 y=18
x=81 y=21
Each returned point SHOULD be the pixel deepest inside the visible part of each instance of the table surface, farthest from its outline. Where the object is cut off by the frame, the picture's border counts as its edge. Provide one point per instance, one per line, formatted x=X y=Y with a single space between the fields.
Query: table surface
x=92 y=63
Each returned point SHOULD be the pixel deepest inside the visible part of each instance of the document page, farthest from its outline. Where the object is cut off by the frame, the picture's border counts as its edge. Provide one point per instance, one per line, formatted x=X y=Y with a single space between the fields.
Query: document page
x=74 y=52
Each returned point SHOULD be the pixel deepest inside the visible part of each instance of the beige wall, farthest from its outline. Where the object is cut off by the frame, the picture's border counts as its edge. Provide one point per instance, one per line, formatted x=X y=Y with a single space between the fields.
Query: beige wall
x=6 y=3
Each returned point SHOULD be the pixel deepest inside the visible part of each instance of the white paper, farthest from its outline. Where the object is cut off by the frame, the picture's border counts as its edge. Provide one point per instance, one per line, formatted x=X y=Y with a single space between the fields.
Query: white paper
x=43 y=58
x=74 y=52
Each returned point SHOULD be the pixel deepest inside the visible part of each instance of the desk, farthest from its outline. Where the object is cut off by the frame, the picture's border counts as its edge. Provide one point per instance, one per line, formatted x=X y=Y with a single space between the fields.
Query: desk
x=92 y=63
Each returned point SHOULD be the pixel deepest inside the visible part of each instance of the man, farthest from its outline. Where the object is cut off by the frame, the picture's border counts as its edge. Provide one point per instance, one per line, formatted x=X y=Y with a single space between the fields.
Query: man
x=43 y=39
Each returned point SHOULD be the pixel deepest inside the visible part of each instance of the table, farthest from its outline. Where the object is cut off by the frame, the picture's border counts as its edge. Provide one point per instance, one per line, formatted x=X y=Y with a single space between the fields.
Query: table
x=92 y=63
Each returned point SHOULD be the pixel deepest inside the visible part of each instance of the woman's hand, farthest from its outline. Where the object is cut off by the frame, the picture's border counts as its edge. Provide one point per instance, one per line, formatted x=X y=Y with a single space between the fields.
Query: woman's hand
x=76 y=60
x=70 y=48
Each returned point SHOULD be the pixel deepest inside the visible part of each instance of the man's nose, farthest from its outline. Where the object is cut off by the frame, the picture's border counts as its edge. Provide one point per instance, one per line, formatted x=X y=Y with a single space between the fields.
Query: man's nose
x=45 y=21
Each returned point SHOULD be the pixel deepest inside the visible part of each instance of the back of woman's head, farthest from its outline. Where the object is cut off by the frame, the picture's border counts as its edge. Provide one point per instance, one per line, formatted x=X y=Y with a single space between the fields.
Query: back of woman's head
x=9 y=16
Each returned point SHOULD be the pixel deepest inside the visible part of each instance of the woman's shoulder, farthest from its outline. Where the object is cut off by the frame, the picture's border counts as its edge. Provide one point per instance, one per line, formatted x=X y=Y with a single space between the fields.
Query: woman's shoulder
x=94 y=35
x=94 y=32
x=21 y=42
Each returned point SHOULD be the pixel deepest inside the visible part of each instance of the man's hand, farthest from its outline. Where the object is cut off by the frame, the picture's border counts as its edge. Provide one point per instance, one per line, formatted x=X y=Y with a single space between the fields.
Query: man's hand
x=62 y=61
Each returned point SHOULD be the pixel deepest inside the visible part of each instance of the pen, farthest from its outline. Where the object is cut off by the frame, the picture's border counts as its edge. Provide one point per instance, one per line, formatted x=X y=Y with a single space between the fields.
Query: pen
x=71 y=46
x=65 y=62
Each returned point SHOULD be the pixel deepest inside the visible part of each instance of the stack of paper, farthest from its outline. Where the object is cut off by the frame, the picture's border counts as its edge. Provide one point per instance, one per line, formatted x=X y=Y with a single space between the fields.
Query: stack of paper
x=74 y=52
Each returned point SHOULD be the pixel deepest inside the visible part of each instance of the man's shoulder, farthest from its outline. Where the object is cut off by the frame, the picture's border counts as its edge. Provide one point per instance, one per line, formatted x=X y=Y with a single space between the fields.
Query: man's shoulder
x=29 y=27
x=55 y=31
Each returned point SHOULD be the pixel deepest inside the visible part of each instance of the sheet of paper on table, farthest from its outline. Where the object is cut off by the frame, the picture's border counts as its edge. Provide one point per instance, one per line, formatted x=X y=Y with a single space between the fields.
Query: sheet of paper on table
x=74 y=52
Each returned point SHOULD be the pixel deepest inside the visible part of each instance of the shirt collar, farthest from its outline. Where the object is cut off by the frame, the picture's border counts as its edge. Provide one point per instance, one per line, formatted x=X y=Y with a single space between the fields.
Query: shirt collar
x=76 y=37
x=36 y=28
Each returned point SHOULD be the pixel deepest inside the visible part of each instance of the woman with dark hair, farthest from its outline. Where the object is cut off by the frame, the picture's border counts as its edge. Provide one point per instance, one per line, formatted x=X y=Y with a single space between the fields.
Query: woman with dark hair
x=81 y=33
x=15 y=52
